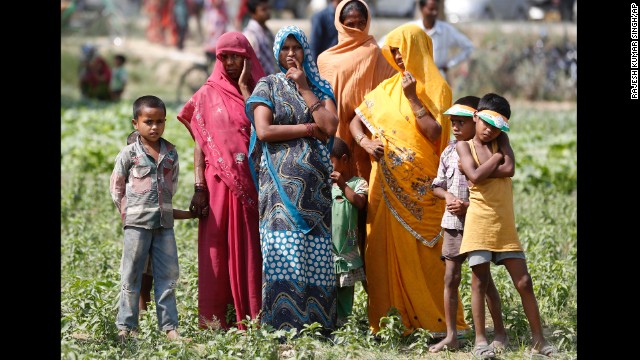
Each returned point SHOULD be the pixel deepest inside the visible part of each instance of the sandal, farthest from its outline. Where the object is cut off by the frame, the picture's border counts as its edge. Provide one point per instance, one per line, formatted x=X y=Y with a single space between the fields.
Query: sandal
x=546 y=351
x=484 y=352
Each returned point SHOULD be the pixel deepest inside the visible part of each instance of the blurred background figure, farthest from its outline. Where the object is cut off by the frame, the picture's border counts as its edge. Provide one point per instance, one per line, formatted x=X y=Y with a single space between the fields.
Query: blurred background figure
x=445 y=37
x=278 y=6
x=195 y=8
x=242 y=16
x=216 y=22
x=94 y=74
x=323 y=31
x=119 y=77
x=181 y=22
x=161 y=21
x=259 y=35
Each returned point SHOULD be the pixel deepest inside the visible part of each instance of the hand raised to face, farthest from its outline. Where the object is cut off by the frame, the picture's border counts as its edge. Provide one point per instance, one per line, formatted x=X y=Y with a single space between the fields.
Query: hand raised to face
x=296 y=73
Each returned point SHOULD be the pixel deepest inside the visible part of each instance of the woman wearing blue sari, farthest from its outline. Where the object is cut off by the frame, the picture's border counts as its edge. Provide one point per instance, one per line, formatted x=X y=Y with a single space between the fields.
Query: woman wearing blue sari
x=295 y=118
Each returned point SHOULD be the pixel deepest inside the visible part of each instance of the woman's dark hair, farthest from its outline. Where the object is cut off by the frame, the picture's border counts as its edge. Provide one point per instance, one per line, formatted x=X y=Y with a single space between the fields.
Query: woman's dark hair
x=352 y=4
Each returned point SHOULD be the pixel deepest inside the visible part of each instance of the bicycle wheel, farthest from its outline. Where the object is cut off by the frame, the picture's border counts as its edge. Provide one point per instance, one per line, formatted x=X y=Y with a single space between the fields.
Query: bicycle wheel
x=190 y=81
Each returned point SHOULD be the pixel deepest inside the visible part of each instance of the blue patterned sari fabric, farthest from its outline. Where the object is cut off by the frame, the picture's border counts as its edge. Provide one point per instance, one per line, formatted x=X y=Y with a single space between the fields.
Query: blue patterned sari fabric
x=294 y=196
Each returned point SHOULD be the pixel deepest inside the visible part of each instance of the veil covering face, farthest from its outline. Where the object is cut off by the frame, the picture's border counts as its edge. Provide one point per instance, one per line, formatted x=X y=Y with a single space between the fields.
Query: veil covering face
x=432 y=89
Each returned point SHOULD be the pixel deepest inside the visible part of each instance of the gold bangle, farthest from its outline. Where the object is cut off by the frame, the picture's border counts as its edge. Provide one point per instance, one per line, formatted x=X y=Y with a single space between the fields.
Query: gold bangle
x=420 y=113
x=359 y=138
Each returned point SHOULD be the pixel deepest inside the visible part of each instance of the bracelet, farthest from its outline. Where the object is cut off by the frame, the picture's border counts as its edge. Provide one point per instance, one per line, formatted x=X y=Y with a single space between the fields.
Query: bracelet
x=309 y=127
x=199 y=187
x=359 y=138
x=315 y=106
x=420 y=113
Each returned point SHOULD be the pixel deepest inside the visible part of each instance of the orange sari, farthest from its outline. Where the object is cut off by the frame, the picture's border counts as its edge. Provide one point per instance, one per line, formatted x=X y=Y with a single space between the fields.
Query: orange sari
x=403 y=216
x=353 y=67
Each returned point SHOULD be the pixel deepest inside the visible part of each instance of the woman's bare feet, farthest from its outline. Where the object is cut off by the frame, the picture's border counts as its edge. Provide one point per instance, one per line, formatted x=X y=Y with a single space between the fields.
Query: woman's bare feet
x=450 y=343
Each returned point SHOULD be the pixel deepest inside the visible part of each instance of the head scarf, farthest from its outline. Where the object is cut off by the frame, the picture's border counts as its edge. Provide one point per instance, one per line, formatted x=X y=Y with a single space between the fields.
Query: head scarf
x=216 y=119
x=353 y=67
x=318 y=84
x=432 y=89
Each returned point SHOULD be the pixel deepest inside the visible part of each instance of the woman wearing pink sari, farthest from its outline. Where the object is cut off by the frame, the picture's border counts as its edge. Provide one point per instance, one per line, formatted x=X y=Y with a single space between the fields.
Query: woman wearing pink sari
x=225 y=198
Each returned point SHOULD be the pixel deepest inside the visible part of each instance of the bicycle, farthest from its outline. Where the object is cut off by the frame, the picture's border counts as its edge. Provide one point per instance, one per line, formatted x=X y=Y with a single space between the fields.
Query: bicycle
x=94 y=17
x=194 y=77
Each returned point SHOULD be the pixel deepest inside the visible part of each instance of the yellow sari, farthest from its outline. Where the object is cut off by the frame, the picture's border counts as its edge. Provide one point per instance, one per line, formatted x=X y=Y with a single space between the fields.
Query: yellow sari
x=403 y=216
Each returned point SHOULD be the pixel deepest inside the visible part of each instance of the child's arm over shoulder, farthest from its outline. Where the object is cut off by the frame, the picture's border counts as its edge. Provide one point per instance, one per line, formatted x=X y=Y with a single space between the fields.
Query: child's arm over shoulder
x=476 y=173
x=508 y=166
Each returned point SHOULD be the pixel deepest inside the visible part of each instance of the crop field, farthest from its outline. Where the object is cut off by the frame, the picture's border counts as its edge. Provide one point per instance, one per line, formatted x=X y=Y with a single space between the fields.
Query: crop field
x=544 y=139
x=545 y=187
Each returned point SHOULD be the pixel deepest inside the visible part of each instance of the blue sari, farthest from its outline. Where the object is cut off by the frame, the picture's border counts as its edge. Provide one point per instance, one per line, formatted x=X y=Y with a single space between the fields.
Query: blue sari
x=294 y=197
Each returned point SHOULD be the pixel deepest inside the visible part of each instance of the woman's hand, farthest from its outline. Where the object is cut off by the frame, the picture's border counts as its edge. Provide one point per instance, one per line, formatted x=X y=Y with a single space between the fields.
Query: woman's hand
x=245 y=75
x=408 y=85
x=373 y=147
x=319 y=134
x=199 y=204
x=296 y=73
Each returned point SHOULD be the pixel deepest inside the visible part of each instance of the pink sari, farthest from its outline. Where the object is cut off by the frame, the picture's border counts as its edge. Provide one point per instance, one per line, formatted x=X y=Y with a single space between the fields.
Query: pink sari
x=229 y=258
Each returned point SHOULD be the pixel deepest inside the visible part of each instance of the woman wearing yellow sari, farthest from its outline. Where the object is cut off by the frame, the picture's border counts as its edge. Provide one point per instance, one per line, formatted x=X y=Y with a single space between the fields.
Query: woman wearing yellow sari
x=405 y=115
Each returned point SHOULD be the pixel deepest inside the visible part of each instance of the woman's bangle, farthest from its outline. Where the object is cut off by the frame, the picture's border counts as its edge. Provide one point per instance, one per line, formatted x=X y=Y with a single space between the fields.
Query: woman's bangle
x=420 y=113
x=315 y=106
x=200 y=187
x=309 y=127
x=359 y=138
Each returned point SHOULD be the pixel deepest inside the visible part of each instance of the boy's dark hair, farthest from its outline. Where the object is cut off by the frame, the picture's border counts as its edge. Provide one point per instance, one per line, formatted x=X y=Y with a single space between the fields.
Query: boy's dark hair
x=252 y=5
x=339 y=148
x=132 y=137
x=471 y=101
x=151 y=101
x=122 y=58
x=354 y=5
x=495 y=103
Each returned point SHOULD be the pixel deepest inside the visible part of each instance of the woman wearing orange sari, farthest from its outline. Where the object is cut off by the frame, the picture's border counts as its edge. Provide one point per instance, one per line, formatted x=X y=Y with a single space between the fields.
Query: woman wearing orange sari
x=353 y=67
x=405 y=115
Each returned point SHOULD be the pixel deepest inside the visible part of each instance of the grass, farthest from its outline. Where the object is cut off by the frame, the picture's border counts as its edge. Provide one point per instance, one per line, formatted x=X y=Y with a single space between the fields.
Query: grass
x=92 y=133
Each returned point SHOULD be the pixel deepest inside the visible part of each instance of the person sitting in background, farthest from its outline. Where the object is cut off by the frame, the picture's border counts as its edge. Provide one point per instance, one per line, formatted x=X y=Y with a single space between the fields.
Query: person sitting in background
x=444 y=36
x=94 y=74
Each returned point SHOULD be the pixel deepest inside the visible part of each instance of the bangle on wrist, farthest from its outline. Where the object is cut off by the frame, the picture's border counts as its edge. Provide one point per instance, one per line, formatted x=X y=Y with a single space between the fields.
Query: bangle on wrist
x=309 y=127
x=200 y=187
x=420 y=113
x=359 y=138
x=315 y=106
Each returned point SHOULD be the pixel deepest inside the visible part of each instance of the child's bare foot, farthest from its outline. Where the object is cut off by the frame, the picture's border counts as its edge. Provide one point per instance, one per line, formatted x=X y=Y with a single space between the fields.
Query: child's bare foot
x=500 y=342
x=450 y=343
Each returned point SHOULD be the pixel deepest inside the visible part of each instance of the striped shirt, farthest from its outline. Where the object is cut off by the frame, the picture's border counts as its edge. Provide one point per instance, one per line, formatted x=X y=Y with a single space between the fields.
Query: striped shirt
x=142 y=189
